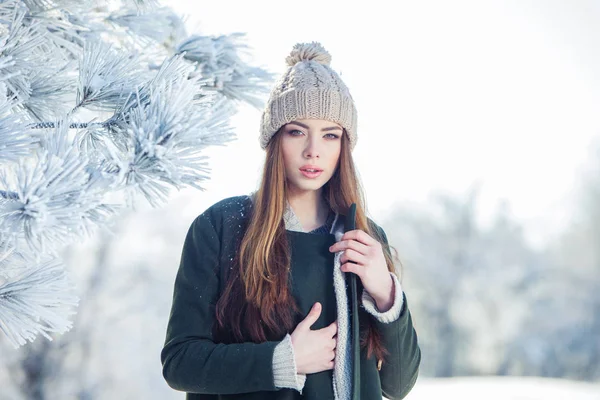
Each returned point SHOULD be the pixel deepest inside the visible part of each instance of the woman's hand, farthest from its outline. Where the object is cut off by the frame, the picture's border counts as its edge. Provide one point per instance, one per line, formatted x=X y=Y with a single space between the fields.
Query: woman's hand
x=314 y=350
x=368 y=262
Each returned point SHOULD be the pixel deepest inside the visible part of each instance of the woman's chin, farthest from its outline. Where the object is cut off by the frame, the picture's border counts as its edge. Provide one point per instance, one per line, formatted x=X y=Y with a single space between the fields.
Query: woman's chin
x=301 y=187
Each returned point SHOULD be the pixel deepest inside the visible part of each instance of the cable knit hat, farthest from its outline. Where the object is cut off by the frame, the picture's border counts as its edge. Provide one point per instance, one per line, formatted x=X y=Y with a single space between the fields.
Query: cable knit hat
x=309 y=89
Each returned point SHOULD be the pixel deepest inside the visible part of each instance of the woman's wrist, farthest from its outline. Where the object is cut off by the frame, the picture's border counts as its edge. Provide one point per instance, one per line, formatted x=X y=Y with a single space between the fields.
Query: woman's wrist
x=385 y=302
x=285 y=373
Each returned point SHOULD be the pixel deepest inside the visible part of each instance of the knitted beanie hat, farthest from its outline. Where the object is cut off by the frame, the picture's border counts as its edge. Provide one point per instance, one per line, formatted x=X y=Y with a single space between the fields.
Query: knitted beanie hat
x=309 y=89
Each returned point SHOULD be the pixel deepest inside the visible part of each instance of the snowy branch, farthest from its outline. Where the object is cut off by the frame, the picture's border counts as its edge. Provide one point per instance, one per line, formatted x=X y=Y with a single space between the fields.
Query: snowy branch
x=37 y=301
x=100 y=102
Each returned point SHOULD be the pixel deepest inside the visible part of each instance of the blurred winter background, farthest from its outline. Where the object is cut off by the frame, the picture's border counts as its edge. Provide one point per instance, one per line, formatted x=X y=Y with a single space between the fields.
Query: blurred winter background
x=479 y=151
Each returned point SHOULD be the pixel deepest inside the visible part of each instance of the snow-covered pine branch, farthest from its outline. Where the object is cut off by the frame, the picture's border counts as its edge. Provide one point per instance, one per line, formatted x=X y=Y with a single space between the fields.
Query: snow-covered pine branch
x=38 y=300
x=99 y=104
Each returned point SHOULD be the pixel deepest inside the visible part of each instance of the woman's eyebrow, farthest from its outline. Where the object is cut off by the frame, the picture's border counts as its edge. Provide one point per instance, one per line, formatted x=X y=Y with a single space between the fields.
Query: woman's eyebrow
x=331 y=128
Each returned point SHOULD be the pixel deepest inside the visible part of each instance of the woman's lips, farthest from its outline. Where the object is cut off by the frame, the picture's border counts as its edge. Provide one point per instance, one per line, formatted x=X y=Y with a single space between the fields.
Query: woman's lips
x=310 y=174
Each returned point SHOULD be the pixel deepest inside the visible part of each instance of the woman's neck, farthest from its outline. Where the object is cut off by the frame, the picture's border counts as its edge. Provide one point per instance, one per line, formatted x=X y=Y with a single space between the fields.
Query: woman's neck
x=310 y=208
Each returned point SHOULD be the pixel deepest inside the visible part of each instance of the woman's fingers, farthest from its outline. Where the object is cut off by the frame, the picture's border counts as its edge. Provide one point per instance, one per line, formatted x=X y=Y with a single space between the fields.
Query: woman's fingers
x=350 y=244
x=332 y=329
x=360 y=236
x=352 y=255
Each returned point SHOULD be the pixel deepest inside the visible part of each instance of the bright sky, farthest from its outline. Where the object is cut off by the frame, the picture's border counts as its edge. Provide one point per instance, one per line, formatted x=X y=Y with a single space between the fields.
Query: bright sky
x=506 y=93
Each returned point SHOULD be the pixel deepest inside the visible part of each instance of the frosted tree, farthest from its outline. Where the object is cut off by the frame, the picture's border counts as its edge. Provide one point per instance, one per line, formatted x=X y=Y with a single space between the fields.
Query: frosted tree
x=561 y=336
x=100 y=105
x=468 y=282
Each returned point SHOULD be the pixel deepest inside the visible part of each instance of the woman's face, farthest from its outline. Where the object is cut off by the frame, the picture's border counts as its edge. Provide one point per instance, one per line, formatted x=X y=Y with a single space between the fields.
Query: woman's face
x=311 y=150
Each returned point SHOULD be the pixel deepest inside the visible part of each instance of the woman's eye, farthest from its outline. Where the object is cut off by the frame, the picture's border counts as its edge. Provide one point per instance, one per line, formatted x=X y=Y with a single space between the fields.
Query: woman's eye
x=332 y=136
x=295 y=132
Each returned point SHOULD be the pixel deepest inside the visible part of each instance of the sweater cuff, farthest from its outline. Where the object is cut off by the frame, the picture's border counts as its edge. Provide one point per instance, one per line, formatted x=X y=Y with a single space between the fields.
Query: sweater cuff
x=394 y=312
x=284 y=366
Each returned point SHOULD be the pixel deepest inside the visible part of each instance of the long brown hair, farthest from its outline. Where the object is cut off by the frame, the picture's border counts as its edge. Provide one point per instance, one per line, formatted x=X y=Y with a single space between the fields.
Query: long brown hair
x=257 y=304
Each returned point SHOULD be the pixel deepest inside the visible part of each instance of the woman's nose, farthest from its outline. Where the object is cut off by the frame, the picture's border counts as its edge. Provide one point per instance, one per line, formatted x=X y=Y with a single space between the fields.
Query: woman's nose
x=311 y=150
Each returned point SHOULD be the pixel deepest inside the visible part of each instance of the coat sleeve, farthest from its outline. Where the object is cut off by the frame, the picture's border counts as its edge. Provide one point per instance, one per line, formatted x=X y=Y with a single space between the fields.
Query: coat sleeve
x=191 y=361
x=400 y=369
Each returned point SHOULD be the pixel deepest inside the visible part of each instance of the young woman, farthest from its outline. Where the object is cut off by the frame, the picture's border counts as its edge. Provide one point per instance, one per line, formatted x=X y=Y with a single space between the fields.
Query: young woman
x=261 y=308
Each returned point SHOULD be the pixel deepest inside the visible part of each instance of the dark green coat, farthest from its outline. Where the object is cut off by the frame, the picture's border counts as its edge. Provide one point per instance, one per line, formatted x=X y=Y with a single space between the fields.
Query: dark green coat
x=194 y=363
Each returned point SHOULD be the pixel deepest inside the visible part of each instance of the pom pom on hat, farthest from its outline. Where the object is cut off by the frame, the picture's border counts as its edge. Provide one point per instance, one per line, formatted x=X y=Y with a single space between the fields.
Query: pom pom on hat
x=308 y=51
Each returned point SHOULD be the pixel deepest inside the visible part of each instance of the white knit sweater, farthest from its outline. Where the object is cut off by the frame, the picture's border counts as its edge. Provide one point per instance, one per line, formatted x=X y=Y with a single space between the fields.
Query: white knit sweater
x=284 y=363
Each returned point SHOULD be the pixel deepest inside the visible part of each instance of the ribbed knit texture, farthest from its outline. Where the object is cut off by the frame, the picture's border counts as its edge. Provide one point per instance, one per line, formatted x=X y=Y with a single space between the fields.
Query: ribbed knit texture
x=284 y=366
x=342 y=370
x=308 y=89
x=394 y=312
